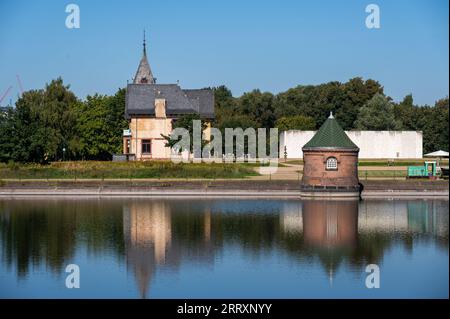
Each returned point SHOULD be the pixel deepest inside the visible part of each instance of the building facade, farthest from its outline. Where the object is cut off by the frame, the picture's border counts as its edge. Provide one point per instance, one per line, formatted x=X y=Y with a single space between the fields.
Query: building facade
x=330 y=160
x=372 y=144
x=151 y=110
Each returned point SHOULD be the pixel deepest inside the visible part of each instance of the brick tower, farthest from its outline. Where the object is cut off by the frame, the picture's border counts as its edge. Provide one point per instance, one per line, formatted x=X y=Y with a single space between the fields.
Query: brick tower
x=330 y=162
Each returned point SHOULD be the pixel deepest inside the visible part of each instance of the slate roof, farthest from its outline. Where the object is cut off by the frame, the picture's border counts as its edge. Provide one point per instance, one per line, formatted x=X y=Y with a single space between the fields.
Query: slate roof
x=204 y=98
x=330 y=135
x=140 y=100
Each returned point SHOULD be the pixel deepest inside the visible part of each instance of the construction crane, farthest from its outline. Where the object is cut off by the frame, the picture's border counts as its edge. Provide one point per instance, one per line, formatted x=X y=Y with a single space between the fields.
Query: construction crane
x=20 y=84
x=5 y=94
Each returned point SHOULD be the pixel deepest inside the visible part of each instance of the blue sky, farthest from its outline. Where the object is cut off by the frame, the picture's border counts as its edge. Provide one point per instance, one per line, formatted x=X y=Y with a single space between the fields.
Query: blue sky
x=270 y=45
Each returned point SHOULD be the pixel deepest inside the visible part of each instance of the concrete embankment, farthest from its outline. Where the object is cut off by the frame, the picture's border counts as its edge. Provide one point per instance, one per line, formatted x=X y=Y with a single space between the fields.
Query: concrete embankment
x=210 y=188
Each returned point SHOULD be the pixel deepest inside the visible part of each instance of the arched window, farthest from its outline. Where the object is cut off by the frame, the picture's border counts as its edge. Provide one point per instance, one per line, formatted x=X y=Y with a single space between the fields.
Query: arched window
x=332 y=163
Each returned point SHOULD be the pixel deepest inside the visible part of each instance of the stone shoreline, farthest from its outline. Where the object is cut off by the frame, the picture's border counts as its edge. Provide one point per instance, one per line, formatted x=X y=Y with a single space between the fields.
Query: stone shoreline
x=209 y=188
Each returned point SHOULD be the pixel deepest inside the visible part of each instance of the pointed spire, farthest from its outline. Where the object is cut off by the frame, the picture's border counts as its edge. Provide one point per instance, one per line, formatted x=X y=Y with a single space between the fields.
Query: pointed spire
x=145 y=48
x=331 y=115
x=144 y=73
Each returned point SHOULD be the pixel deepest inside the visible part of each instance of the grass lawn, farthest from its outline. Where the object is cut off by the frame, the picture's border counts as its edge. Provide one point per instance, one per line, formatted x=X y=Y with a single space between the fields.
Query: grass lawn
x=165 y=169
x=125 y=170
x=398 y=162
x=293 y=162
x=382 y=173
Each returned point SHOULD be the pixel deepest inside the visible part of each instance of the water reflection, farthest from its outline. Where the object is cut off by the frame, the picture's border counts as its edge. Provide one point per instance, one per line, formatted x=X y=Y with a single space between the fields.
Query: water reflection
x=147 y=233
x=330 y=224
x=152 y=235
x=151 y=243
x=49 y=232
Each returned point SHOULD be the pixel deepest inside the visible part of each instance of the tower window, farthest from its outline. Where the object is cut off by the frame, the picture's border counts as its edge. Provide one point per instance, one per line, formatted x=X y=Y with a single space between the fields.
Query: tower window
x=332 y=164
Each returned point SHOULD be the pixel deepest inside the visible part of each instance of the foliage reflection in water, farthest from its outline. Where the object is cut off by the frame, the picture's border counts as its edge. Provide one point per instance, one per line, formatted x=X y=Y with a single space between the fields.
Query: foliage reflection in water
x=178 y=248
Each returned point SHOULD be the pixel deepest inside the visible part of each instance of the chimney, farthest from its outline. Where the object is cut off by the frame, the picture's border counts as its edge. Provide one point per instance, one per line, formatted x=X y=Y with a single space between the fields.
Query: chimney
x=160 y=108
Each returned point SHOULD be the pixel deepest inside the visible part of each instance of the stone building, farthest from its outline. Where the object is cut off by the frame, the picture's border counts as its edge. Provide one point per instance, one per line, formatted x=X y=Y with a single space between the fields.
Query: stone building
x=152 y=109
x=330 y=161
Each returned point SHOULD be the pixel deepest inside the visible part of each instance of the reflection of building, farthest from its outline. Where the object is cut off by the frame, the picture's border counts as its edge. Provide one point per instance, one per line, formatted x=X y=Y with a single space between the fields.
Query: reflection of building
x=325 y=229
x=161 y=235
x=330 y=161
x=147 y=233
x=330 y=223
x=291 y=219
x=382 y=216
x=150 y=227
x=427 y=217
x=151 y=241
x=412 y=216
x=378 y=216
x=330 y=229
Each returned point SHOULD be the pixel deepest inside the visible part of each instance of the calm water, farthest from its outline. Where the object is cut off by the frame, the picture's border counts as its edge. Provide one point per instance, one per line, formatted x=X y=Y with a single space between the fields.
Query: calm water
x=178 y=248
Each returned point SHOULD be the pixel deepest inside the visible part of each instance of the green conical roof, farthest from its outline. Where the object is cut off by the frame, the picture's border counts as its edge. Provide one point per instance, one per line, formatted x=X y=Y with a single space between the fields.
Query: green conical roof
x=330 y=135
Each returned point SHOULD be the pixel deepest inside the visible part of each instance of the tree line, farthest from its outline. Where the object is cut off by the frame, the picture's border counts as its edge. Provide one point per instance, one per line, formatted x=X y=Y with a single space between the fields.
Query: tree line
x=357 y=105
x=53 y=124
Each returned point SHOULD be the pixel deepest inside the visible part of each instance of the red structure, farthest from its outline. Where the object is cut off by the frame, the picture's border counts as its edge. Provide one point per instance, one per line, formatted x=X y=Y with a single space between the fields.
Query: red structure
x=330 y=161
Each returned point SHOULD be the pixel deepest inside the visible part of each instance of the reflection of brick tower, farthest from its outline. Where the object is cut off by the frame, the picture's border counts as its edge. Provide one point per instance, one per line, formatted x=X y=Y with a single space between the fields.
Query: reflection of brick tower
x=330 y=223
x=330 y=229
x=330 y=162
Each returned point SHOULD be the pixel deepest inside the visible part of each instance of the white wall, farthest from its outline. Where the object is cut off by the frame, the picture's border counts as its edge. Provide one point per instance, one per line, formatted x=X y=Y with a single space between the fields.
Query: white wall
x=372 y=144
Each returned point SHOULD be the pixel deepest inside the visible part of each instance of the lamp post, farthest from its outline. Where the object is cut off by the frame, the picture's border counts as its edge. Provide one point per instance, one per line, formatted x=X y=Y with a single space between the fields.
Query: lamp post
x=64 y=154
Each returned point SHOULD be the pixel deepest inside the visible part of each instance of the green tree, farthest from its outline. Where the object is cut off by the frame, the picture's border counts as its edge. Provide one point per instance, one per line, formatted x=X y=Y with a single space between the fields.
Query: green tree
x=295 y=101
x=116 y=120
x=377 y=114
x=100 y=125
x=258 y=106
x=225 y=105
x=406 y=112
x=223 y=97
x=57 y=118
x=345 y=99
x=235 y=121
x=43 y=123
x=6 y=130
x=355 y=93
x=435 y=126
x=297 y=122
x=432 y=121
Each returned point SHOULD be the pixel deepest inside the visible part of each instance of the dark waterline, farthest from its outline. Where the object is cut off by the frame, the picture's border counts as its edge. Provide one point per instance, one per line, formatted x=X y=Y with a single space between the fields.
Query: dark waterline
x=179 y=248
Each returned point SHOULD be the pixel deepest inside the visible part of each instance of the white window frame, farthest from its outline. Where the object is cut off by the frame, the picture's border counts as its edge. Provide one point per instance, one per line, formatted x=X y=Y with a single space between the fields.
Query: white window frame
x=331 y=164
